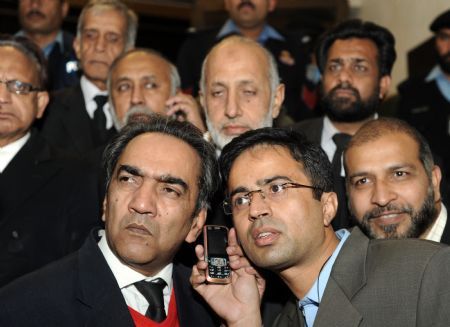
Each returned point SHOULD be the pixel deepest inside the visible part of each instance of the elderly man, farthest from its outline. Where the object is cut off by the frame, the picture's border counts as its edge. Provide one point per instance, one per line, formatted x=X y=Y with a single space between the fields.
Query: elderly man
x=240 y=89
x=393 y=183
x=425 y=100
x=47 y=203
x=79 y=119
x=280 y=193
x=249 y=19
x=41 y=21
x=125 y=275
x=142 y=81
x=355 y=59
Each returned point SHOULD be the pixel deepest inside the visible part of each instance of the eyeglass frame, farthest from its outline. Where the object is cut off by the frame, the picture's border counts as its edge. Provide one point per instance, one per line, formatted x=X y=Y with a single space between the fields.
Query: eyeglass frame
x=10 y=83
x=286 y=185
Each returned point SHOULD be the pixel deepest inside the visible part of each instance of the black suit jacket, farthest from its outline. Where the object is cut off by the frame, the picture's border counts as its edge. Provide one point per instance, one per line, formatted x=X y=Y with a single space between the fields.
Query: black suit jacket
x=47 y=207
x=67 y=125
x=81 y=290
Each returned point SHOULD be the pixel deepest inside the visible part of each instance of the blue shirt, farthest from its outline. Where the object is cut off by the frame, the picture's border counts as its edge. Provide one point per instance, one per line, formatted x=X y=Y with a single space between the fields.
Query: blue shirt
x=268 y=32
x=309 y=305
x=49 y=47
x=442 y=81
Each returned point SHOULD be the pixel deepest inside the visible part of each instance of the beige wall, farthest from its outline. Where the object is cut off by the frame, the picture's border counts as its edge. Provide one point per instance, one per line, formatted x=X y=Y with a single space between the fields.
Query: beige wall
x=408 y=20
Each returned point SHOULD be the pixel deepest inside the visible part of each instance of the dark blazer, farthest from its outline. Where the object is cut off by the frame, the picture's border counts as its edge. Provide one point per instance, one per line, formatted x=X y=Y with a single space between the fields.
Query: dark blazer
x=311 y=128
x=47 y=207
x=67 y=125
x=383 y=283
x=81 y=290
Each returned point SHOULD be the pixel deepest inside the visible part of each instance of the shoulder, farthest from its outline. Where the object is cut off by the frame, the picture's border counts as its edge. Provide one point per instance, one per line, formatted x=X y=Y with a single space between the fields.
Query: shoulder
x=307 y=125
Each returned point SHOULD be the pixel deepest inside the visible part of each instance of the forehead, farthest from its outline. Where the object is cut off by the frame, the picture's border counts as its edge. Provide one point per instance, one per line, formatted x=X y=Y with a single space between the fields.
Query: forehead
x=53 y=4
x=386 y=151
x=264 y=161
x=105 y=19
x=353 y=48
x=235 y=62
x=15 y=65
x=140 y=64
x=160 y=154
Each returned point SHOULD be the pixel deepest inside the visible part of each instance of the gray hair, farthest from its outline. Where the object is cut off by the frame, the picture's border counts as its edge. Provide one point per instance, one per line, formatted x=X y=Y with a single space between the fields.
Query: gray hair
x=129 y=15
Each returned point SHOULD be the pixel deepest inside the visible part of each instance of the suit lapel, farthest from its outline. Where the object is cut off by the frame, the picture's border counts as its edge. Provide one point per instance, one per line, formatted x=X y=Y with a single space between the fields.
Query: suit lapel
x=77 y=121
x=290 y=316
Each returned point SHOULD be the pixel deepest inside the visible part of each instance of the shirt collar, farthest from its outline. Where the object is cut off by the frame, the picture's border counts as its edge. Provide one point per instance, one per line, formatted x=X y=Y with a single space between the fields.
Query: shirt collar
x=436 y=231
x=59 y=40
x=126 y=276
x=315 y=293
x=442 y=81
x=268 y=32
x=9 y=151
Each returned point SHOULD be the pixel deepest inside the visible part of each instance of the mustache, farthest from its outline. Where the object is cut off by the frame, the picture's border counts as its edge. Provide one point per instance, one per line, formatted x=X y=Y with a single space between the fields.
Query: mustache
x=378 y=211
x=446 y=56
x=345 y=86
x=36 y=12
x=246 y=3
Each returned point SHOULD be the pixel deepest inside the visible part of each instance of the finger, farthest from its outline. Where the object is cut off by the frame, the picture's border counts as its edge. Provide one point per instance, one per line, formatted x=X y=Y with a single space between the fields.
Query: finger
x=200 y=252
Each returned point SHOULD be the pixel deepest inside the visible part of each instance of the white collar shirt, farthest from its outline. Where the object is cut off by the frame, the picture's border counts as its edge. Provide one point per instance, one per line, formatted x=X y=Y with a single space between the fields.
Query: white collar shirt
x=90 y=91
x=9 y=151
x=436 y=231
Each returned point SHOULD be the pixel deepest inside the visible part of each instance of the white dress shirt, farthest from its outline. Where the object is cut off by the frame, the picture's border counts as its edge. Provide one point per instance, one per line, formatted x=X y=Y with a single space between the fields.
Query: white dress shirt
x=436 y=231
x=126 y=277
x=89 y=92
x=9 y=151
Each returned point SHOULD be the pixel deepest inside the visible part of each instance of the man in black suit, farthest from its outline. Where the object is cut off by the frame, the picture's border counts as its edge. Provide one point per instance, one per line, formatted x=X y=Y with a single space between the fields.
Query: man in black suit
x=393 y=183
x=78 y=118
x=153 y=204
x=249 y=19
x=47 y=203
x=355 y=59
x=41 y=21
x=425 y=100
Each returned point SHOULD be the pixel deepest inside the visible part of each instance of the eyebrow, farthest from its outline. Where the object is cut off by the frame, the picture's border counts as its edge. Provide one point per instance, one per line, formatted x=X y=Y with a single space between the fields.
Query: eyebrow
x=130 y=170
x=352 y=59
x=389 y=168
x=168 y=179
x=262 y=182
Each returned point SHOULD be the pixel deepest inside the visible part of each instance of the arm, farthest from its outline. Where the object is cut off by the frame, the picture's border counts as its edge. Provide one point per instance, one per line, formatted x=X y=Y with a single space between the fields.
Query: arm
x=238 y=302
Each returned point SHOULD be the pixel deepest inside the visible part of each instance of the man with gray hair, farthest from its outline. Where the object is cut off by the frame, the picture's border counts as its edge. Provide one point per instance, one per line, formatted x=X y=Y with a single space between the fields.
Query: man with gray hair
x=79 y=119
x=142 y=81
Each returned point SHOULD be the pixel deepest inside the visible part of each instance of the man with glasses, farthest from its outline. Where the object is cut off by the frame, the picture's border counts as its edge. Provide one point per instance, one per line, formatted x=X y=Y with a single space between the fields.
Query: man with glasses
x=47 y=204
x=280 y=192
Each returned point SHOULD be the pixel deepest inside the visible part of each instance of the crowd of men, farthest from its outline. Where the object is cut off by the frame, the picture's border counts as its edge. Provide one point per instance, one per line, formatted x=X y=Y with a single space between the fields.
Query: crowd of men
x=113 y=158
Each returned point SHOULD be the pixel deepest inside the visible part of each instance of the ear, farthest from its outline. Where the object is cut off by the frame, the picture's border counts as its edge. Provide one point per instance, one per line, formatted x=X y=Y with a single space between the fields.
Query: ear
x=272 y=5
x=105 y=202
x=436 y=176
x=329 y=207
x=77 y=47
x=64 y=9
x=227 y=5
x=196 y=227
x=278 y=100
x=385 y=84
x=42 y=101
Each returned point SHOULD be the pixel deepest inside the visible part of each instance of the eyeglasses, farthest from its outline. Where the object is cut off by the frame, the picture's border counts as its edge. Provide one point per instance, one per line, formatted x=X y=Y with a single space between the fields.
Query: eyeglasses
x=18 y=87
x=274 y=192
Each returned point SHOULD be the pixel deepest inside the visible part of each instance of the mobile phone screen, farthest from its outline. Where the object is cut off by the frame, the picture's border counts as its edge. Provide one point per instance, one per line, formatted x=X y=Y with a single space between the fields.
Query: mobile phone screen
x=216 y=241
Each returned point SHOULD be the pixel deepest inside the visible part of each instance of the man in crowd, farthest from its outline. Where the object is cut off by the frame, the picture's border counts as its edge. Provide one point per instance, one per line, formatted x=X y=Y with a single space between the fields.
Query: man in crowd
x=393 y=183
x=249 y=19
x=79 y=119
x=142 y=81
x=280 y=193
x=41 y=22
x=125 y=275
x=425 y=100
x=355 y=59
x=47 y=203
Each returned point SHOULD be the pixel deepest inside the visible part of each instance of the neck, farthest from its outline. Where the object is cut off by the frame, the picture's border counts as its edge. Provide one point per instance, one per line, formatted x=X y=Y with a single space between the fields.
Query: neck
x=438 y=212
x=99 y=83
x=4 y=141
x=300 y=278
x=252 y=33
x=42 y=40
x=350 y=128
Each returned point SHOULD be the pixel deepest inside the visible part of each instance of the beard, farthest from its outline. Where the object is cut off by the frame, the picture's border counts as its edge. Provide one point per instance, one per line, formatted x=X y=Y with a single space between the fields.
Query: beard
x=137 y=113
x=421 y=220
x=444 y=62
x=343 y=109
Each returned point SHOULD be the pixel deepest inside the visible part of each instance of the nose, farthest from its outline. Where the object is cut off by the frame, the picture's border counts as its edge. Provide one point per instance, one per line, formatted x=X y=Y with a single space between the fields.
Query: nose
x=100 y=43
x=259 y=206
x=137 y=96
x=143 y=201
x=35 y=3
x=5 y=95
x=344 y=75
x=232 y=106
x=383 y=194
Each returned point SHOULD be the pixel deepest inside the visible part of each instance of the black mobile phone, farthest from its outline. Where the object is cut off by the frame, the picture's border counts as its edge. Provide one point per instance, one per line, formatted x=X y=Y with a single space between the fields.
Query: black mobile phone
x=215 y=241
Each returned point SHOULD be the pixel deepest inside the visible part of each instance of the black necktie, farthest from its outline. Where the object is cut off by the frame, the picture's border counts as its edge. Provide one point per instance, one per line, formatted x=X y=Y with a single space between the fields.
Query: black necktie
x=153 y=293
x=100 y=118
x=341 y=220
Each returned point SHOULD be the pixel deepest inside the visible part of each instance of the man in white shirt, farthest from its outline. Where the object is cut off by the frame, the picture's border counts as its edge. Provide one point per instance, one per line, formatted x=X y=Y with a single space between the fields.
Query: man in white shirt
x=79 y=119
x=393 y=183
x=153 y=204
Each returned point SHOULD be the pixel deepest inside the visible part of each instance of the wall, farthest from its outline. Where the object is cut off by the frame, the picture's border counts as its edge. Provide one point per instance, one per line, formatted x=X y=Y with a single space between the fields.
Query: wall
x=408 y=20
